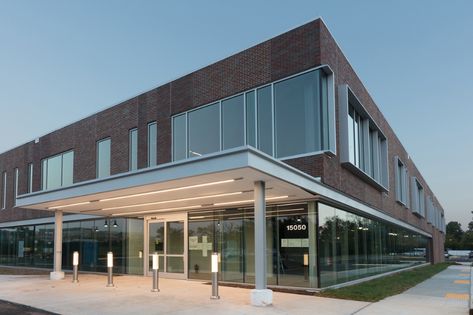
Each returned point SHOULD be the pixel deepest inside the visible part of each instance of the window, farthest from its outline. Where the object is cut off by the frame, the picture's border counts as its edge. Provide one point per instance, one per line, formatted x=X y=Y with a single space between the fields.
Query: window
x=133 y=149
x=430 y=210
x=418 y=203
x=57 y=171
x=351 y=246
x=233 y=122
x=15 y=185
x=402 y=182
x=364 y=146
x=265 y=120
x=152 y=144
x=289 y=117
x=204 y=130
x=4 y=190
x=103 y=157
x=179 y=137
x=251 y=118
x=30 y=177
x=301 y=114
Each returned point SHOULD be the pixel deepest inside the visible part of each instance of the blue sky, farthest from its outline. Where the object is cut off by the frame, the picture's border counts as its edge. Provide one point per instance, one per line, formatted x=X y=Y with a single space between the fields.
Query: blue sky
x=64 y=60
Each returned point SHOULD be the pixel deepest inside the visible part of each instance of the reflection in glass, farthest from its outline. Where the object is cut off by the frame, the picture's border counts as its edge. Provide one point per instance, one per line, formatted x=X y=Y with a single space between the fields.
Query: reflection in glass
x=250 y=118
x=233 y=122
x=298 y=110
x=204 y=130
x=179 y=130
x=353 y=247
x=152 y=144
x=265 y=120
x=133 y=150
x=103 y=158
x=175 y=238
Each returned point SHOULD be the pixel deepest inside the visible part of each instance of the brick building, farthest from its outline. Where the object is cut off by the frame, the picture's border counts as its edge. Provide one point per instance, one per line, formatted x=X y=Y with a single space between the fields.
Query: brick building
x=276 y=158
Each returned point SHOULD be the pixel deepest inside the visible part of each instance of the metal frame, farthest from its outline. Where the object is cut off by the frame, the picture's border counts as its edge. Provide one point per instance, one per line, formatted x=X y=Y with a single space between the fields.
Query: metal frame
x=148 y=142
x=164 y=218
x=332 y=133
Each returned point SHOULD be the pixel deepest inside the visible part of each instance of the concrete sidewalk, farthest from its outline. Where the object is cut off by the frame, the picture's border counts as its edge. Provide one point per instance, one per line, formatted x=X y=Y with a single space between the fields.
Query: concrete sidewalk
x=132 y=296
x=445 y=293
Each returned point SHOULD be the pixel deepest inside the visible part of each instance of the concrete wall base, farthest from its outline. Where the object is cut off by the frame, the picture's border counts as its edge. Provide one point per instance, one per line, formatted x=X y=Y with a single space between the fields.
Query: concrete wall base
x=56 y=275
x=261 y=297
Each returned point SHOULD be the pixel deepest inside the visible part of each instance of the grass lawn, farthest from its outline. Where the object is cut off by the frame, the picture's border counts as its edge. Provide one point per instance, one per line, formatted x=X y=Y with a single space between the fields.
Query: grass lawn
x=378 y=289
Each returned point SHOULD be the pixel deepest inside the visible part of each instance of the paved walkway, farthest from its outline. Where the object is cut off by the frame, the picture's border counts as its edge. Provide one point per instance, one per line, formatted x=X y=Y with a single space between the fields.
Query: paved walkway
x=445 y=293
x=132 y=296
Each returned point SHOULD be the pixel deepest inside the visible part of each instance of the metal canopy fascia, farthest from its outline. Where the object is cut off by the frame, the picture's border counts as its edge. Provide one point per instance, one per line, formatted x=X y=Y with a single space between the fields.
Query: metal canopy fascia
x=234 y=159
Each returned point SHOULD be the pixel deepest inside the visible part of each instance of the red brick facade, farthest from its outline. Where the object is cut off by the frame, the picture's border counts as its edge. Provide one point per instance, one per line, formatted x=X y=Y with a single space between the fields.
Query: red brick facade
x=303 y=48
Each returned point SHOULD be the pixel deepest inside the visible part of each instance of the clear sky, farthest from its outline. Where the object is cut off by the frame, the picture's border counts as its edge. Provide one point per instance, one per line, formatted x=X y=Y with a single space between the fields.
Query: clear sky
x=64 y=60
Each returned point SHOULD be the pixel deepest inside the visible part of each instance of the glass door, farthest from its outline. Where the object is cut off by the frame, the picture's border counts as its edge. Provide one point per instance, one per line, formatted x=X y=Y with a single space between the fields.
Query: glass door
x=166 y=237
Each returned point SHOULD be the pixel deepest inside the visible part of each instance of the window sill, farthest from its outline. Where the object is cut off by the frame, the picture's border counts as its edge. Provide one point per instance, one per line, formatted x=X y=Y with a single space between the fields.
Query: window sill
x=365 y=177
x=402 y=204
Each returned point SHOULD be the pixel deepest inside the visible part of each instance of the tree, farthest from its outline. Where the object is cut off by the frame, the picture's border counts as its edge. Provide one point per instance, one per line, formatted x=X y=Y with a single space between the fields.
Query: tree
x=470 y=226
x=454 y=236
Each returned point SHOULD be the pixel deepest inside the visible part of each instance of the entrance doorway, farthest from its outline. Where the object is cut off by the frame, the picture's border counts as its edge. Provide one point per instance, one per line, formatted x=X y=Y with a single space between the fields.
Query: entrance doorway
x=167 y=236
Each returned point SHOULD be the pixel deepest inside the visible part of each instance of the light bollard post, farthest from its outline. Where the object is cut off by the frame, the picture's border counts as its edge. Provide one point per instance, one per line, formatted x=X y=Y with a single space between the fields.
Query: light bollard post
x=306 y=266
x=214 y=269
x=110 y=269
x=155 y=273
x=75 y=267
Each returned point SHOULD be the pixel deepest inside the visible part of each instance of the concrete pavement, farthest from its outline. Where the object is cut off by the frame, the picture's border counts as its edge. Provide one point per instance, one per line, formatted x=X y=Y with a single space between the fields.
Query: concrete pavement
x=445 y=293
x=132 y=296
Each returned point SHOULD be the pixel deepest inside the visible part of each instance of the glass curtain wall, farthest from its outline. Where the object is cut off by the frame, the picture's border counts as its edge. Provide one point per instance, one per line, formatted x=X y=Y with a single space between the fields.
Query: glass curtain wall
x=287 y=118
x=353 y=247
x=230 y=232
x=34 y=245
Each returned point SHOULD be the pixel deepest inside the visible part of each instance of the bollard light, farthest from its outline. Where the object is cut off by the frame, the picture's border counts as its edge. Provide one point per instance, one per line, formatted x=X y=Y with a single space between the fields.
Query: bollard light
x=155 y=261
x=75 y=259
x=214 y=262
x=109 y=259
x=306 y=266
x=306 y=259
x=214 y=269
x=75 y=267
x=155 y=273
x=110 y=269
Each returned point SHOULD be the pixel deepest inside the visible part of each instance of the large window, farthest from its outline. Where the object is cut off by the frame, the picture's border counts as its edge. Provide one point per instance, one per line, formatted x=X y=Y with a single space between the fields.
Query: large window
x=402 y=181
x=418 y=198
x=133 y=149
x=103 y=157
x=287 y=118
x=291 y=244
x=57 y=171
x=364 y=147
x=233 y=122
x=300 y=114
x=353 y=247
x=179 y=137
x=152 y=144
x=33 y=245
x=204 y=126
x=265 y=120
